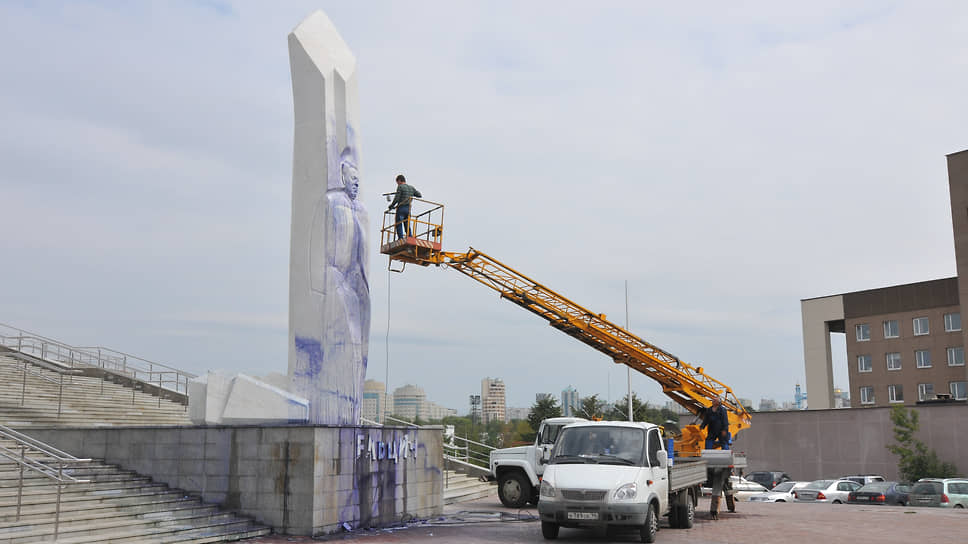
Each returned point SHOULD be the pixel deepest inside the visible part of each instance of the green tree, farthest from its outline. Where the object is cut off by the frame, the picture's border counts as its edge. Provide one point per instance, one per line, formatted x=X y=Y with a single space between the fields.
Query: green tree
x=542 y=409
x=915 y=460
x=523 y=431
x=592 y=408
x=641 y=411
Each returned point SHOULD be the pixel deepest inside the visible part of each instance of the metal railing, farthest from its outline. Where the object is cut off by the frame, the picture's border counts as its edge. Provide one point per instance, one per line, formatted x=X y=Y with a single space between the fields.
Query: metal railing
x=459 y=448
x=469 y=451
x=43 y=459
x=117 y=362
x=28 y=369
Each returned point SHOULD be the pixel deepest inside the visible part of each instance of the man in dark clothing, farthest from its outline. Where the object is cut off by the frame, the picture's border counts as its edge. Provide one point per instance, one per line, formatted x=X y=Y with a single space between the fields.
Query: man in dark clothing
x=717 y=421
x=401 y=201
x=717 y=435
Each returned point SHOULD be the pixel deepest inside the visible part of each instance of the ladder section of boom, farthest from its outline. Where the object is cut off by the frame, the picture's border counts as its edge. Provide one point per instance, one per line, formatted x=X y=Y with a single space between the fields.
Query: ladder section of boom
x=686 y=384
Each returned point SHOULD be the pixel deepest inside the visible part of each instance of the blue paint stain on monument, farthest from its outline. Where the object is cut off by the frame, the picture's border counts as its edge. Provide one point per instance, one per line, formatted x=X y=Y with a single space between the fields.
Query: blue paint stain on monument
x=309 y=351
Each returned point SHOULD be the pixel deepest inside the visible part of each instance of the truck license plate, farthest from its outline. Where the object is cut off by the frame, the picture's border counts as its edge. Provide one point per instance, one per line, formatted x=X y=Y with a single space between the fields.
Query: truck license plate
x=582 y=515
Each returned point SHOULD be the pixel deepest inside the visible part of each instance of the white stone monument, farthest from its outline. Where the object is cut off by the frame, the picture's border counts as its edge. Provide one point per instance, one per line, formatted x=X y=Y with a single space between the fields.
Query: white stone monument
x=329 y=296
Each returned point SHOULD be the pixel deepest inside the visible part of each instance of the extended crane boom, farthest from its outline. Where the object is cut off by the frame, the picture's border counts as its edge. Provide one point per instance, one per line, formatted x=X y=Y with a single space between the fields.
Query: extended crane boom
x=686 y=384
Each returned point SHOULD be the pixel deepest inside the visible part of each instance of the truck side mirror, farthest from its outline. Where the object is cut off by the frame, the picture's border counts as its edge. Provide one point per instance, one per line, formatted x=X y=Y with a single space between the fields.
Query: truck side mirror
x=663 y=458
x=545 y=456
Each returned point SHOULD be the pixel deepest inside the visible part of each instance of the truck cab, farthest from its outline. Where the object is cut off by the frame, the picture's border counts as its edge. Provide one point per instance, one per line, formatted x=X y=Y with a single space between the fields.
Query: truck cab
x=607 y=473
x=518 y=470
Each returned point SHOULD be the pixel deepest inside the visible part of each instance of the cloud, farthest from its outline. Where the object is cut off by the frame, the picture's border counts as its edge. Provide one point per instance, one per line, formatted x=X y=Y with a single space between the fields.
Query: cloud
x=726 y=162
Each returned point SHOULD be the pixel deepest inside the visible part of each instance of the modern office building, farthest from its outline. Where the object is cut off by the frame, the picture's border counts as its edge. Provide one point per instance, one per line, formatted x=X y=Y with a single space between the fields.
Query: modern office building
x=409 y=403
x=493 y=403
x=905 y=343
x=570 y=402
x=376 y=402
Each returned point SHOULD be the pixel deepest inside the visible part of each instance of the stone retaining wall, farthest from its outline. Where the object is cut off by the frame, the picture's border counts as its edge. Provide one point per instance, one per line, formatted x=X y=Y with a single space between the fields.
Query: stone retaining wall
x=298 y=479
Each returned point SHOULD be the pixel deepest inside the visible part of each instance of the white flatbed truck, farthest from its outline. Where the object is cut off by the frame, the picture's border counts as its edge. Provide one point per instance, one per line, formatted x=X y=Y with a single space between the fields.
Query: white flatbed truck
x=619 y=474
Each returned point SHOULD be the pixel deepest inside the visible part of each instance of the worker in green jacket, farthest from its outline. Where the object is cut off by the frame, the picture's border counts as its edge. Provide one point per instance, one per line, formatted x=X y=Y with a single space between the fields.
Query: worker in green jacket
x=401 y=201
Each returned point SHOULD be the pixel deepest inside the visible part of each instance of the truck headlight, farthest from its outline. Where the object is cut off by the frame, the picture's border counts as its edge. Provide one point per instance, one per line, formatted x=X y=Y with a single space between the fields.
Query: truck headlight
x=626 y=492
x=547 y=490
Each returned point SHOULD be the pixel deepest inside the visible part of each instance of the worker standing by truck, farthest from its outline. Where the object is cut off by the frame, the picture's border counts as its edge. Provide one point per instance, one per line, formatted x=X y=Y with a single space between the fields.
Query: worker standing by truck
x=716 y=422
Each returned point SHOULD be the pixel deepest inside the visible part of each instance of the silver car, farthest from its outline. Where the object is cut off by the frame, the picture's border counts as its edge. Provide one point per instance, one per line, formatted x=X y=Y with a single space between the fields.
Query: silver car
x=783 y=492
x=943 y=492
x=832 y=491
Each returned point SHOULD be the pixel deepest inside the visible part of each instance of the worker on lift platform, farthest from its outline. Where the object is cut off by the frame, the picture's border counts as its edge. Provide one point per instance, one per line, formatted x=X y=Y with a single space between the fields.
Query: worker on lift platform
x=401 y=201
x=717 y=421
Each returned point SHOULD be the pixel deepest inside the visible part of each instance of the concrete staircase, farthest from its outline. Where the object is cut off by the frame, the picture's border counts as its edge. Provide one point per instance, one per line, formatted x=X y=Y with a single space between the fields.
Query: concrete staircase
x=114 y=506
x=460 y=487
x=86 y=401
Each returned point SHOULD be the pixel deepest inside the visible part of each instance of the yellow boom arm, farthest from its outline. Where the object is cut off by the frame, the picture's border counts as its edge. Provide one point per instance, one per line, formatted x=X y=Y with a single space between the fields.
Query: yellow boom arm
x=687 y=385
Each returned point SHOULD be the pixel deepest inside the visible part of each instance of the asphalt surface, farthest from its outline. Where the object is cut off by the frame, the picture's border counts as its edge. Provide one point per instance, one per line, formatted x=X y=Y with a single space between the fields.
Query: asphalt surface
x=487 y=521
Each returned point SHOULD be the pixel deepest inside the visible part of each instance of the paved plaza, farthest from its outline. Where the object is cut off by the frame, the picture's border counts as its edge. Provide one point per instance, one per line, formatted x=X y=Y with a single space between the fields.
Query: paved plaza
x=486 y=521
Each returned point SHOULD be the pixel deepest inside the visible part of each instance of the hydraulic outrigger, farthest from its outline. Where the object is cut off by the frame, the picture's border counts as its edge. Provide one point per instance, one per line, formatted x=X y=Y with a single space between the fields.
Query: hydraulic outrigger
x=687 y=385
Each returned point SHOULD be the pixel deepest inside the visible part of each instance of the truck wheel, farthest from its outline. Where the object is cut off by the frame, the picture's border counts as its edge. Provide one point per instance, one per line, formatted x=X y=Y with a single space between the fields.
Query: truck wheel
x=674 y=516
x=514 y=489
x=687 y=514
x=651 y=526
x=549 y=530
x=533 y=501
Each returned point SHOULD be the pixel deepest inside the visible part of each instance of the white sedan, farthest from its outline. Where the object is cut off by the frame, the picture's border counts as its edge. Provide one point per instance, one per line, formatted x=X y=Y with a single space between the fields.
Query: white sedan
x=832 y=491
x=742 y=488
x=783 y=492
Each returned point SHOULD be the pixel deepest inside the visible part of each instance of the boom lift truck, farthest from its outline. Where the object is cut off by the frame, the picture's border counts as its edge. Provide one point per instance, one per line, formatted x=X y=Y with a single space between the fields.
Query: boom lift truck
x=687 y=385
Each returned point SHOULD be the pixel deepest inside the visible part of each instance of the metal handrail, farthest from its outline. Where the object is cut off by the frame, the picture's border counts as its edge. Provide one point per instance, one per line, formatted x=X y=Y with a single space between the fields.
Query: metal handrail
x=52 y=456
x=405 y=422
x=27 y=368
x=37 y=374
x=47 y=349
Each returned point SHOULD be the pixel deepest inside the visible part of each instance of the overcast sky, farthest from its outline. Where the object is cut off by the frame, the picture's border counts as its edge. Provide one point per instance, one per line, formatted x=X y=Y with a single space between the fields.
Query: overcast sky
x=725 y=160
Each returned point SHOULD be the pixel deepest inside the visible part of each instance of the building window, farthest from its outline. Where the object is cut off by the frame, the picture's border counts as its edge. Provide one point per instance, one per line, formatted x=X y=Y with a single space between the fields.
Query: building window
x=952 y=322
x=864 y=363
x=923 y=357
x=863 y=332
x=925 y=391
x=920 y=326
x=867 y=395
x=958 y=390
x=893 y=361
x=891 y=329
x=895 y=393
x=956 y=356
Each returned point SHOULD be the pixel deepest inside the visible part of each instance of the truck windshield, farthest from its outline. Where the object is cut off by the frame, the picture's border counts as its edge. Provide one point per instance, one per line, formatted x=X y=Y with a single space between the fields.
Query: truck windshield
x=600 y=444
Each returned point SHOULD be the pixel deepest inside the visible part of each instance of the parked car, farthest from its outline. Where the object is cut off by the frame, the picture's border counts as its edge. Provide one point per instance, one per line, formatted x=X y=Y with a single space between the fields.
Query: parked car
x=744 y=489
x=946 y=493
x=768 y=478
x=881 y=493
x=832 y=491
x=864 y=479
x=781 y=493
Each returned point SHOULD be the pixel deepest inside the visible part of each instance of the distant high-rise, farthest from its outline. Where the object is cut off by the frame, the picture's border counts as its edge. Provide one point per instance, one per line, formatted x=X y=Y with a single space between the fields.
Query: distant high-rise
x=409 y=403
x=493 y=403
x=767 y=405
x=376 y=403
x=570 y=402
